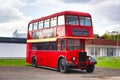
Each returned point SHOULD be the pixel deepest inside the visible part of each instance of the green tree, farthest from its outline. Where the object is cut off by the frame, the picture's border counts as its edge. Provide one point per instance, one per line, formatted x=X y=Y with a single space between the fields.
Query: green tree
x=96 y=36
x=106 y=36
x=112 y=37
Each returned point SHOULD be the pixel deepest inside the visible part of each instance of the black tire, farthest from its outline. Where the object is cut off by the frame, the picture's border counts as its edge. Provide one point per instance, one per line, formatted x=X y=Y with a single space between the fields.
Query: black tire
x=34 y=63
x=62 y=67
x=90 y=68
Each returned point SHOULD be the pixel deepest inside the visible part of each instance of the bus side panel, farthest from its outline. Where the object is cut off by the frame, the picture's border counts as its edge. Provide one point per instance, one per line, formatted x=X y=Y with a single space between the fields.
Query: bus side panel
x=77 y=31
x=60 y=31
x=42 y=58
x=53 y=59
x=28 y=53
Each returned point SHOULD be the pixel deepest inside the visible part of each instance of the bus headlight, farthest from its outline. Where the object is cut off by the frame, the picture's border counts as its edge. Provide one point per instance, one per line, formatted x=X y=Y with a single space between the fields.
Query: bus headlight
x=91 y=59
x=73 y=58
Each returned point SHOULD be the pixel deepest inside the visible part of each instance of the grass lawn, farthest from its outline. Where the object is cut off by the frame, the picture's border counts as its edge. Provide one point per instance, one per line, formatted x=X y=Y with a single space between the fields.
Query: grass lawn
x=13 y=62
x=108 y=62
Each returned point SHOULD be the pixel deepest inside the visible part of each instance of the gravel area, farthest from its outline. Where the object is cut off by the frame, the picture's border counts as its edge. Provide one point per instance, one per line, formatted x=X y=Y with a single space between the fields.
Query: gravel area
x=30 y=73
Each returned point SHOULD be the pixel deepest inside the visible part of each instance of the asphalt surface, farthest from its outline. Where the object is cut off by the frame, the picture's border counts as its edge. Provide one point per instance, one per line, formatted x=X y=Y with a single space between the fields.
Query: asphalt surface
x=30 y=73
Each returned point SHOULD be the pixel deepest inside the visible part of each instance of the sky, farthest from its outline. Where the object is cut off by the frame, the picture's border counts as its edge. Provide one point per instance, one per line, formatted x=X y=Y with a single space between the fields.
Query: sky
x=16 y=14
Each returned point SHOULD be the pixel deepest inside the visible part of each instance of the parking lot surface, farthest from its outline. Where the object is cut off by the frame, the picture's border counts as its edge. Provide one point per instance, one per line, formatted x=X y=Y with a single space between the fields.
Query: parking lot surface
x=30 y=73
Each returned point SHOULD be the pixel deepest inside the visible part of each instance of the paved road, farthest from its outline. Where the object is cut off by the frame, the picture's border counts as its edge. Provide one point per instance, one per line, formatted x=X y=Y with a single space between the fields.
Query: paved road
x=30 y=73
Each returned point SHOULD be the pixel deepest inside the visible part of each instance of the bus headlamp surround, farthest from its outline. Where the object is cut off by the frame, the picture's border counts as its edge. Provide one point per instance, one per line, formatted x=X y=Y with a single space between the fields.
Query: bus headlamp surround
x=91 y=59
x=73 y=58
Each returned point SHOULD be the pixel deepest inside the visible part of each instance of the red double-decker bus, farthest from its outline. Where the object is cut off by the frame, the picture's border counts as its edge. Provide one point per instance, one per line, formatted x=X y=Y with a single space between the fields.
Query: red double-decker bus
x=58 y=41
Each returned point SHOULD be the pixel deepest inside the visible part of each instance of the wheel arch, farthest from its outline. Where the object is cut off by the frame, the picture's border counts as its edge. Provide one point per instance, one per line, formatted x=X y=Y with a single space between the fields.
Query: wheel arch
x=61 y=57
x=33 y=57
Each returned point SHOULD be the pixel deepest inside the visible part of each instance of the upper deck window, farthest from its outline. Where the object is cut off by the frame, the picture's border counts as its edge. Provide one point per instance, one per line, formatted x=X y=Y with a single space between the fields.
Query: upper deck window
x=53 y=21
x=61 y=20
x=35 y=26
x=30 y=27
x=46 y=23
x=72 y=20
x=85 y=21
x=40 y=25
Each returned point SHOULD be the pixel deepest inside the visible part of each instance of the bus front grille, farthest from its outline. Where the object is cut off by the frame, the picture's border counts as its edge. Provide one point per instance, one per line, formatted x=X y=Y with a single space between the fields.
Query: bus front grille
x=82 y=56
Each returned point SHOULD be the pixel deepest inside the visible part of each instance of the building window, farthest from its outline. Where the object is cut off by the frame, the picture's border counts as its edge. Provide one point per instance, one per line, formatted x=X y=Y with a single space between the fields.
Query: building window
x=71 y=20
x=111 y=51
x=91 y=50
x=61 y=20
x=97 y=51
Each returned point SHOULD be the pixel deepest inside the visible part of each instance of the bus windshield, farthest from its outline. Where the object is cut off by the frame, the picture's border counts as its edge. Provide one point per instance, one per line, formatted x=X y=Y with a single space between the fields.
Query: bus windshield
x=73 y=44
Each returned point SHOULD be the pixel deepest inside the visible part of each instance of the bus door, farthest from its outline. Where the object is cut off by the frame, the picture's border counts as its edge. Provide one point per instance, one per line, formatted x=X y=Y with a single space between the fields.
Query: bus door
x=61 y=47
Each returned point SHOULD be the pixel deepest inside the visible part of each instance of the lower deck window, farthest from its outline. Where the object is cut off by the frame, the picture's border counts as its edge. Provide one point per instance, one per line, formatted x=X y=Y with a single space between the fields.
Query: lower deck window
x=52 y=46
x=46 y=46
x=40 y=46
x=34 y=46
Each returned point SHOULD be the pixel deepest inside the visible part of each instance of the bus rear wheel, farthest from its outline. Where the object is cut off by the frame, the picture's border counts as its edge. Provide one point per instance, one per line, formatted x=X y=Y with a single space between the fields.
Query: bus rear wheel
x=62 y=67
x=90 y=68
x=34 y=63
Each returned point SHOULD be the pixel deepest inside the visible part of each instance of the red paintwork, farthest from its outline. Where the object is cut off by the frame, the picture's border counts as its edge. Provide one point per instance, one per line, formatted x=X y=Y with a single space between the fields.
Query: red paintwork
x=50 y=58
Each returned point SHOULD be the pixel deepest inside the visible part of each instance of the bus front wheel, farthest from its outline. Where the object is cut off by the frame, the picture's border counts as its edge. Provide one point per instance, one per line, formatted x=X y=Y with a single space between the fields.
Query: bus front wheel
x=62 y=66
x=34 y=63
x=90 y=68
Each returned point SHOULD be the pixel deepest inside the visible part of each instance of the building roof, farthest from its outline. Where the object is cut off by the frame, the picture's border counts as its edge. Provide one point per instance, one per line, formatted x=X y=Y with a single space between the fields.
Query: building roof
x=12 y=40
x=105 y=42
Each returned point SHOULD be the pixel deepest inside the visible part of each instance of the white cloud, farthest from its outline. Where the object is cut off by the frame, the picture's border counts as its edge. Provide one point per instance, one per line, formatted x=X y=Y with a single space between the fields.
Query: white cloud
x=107 y=13
x=9 y=11
x=45 y=2
x=15 y=13
x=11 y=18
x=75 y=1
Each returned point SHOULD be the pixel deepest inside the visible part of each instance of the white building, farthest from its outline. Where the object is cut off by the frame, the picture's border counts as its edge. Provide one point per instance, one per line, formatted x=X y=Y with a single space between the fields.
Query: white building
x=103 y=47
x=17 y=34
x=16 y=47
x=12 y=47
